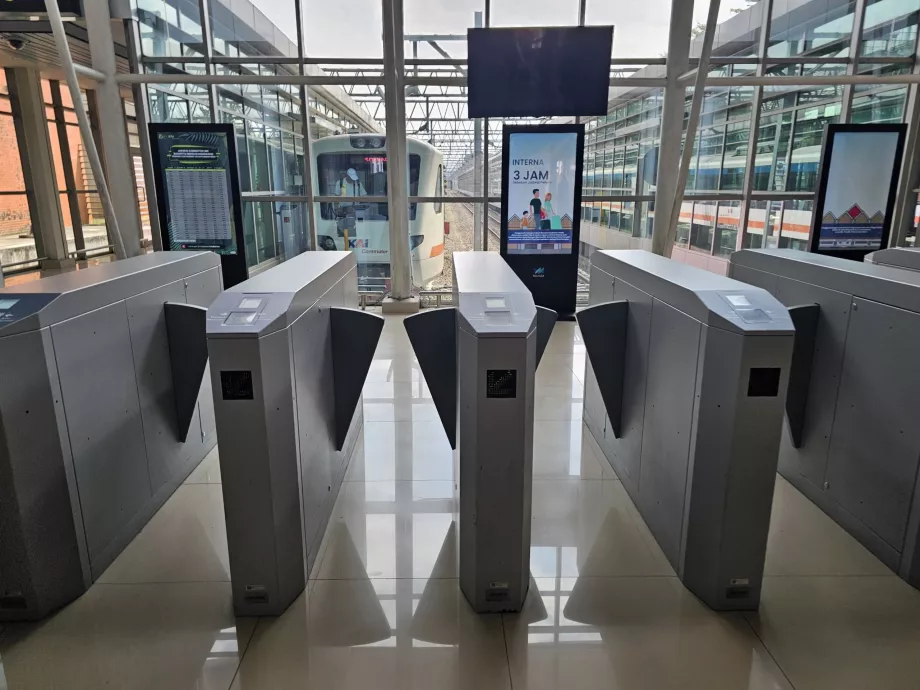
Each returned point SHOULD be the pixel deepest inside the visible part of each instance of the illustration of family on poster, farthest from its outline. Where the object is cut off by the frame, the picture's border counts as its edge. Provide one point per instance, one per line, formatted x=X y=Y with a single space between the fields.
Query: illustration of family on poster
x=541 y=192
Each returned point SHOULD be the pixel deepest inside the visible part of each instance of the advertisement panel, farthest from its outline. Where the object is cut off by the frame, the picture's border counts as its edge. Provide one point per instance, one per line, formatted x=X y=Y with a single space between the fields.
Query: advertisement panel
x=857 y=188
x=541 y=204
x=541 y=192
x=198 y=196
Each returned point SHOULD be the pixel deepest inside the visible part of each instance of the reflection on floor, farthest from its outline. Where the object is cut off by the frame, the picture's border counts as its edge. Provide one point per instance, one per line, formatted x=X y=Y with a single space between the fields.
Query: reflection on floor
x=383 y=609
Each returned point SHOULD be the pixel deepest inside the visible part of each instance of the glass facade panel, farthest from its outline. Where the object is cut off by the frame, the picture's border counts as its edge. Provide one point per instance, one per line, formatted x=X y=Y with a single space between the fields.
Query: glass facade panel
x=621 y=149
x=884 y=107
x=726 y=232
x=702 y=229
x=816 y=28
x=890 y=28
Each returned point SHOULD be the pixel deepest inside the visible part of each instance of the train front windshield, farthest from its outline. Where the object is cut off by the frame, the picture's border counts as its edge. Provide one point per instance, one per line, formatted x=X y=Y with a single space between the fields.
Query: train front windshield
x=360 y=174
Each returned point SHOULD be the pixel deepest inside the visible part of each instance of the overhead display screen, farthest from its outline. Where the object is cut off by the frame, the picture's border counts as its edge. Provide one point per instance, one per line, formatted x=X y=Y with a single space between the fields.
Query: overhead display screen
x=67 y=7
x=859 y=173
x=539 y=71
x=198 y=190
x=541 y=180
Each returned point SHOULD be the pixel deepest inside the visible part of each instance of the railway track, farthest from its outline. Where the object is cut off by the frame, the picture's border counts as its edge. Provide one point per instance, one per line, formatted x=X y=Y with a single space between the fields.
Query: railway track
x=494 y=215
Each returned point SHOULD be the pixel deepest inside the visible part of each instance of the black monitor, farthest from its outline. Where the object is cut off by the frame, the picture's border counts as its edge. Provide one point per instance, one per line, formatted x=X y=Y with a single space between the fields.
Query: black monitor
x=540 y=71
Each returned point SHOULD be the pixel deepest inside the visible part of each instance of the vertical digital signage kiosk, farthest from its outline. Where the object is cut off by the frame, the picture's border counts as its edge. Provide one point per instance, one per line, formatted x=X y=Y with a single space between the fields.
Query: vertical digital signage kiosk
x=198 y=193
x=857 y=187
x=541 y=210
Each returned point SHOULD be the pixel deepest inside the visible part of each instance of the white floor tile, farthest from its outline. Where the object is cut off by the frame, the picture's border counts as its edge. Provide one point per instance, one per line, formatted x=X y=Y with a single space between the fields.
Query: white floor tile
x=632 y=634
x=842 y=633
x=381 y=634
x=137 y=637
x=406 y=451
x=208 y=470
x=556 y=408
x=805 y=541
x=392 y=530
x=585 y=528
x=186 y=541
x=560 y=451
x=401 y=410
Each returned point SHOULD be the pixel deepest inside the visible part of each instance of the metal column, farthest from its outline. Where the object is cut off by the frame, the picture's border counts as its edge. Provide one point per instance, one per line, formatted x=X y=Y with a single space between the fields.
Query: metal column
x=905 y=206
x=38 y=167
x=70 y=183
x=397 y=185
x=756 y=99
x=114 y=135
x=142 y=116
x=672 y=120
x=477 y=164
x=305 y=124
x=663 y=235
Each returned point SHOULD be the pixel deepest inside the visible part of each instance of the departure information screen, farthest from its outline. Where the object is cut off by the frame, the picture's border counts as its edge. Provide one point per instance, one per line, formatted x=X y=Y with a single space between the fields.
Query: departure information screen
x=195 y=173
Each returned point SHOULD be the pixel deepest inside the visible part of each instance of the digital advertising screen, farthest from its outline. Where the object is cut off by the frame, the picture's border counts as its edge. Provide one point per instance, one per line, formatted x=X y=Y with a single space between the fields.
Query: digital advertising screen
x=859 y=174
x=541 y=180
x=198 y=191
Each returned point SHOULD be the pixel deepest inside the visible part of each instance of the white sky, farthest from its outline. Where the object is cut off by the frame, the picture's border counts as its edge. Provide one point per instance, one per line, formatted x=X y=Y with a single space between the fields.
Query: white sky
x=352 y=28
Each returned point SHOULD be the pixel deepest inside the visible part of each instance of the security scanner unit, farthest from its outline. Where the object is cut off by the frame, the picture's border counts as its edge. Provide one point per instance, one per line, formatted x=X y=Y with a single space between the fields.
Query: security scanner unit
x=288 y=362
x=104 y=410
x=851 y=442
x=686 y=380
x=479 y=359
x=897 y=257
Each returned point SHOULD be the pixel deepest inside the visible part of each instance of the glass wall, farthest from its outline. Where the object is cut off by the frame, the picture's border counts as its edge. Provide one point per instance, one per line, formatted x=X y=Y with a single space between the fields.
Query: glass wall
x=17 y=244
x=752 y=140
x=755 y=152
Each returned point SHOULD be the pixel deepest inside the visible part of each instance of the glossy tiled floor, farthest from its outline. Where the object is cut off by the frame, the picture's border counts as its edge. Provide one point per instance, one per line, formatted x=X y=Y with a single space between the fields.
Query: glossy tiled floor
x=383 y=610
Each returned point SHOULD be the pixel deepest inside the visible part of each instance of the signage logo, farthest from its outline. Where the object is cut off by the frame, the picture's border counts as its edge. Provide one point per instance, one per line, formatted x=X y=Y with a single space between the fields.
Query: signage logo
x=539 y=272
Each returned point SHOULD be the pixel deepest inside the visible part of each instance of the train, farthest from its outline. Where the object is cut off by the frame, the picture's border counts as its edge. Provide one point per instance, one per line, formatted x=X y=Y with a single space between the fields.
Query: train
x=355 y=165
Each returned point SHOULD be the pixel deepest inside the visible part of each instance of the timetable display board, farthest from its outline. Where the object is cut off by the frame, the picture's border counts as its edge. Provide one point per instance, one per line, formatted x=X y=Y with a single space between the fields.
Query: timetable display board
x=198 y=194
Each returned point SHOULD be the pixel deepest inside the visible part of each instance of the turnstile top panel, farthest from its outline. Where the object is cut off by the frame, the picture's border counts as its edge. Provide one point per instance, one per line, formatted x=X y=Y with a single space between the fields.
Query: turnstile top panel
x=883 y=284
x=492 y=300
x=45 y=302
x=898 y=257
x=274 y=299
x=708 y=297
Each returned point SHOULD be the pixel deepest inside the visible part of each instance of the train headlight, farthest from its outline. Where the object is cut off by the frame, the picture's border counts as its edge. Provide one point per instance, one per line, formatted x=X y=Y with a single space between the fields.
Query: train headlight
x=360 y=143
x=415 y=241
x=376 y=143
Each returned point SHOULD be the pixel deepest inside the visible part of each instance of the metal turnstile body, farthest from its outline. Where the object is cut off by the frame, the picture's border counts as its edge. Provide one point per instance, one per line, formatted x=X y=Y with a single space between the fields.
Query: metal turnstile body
x=288 y=361
x=896 y=257
x=852 y=442
x=684 y=392
x=104 y=410
x=479 y=359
